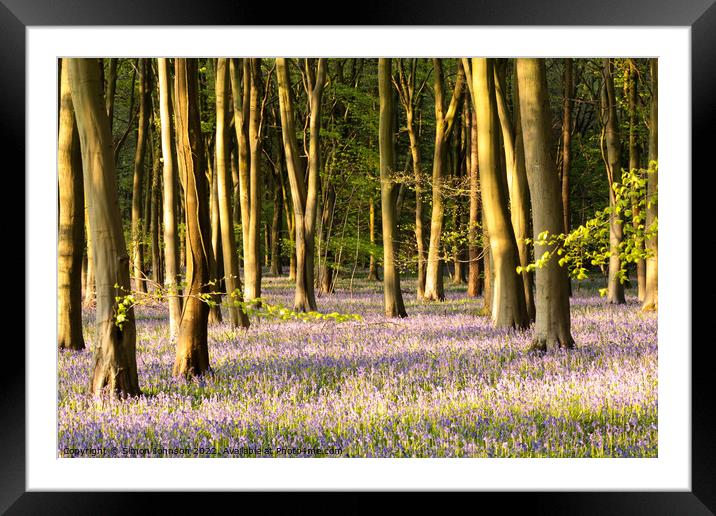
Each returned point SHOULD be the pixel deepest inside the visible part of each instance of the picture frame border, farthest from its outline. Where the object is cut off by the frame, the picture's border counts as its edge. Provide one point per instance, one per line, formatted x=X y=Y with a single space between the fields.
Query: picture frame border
x=700 y=15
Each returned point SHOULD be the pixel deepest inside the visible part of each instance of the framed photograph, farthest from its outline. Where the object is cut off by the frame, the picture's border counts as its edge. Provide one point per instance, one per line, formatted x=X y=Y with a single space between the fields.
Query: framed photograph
x=647 y=450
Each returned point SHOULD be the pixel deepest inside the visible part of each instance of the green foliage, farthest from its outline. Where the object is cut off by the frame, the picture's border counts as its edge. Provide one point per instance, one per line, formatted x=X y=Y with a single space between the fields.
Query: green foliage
x=587 y=246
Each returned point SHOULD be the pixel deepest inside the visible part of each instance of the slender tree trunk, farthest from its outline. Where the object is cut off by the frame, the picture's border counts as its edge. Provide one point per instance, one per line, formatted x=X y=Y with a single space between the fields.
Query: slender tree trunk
x=372 y=269
x=138 y=178
x=304 y=194
x=231 y=266
x=444 y=122
x=326 y=268
x=154 y=220
x=252 y=252
x=115 y=362
x=89 y=295
x=552 y=323
x=111 y=88
x=192 y=353
x=568 y=90
x=634 y=168
x=474 y=280
x=171 y=243
x=652 y=262
x=215 y=260
x=508 y=303
x=516 y=181
x=615 y=288
x=392 y=296
x=72 y=223
x=276 y=269
x=487 y=267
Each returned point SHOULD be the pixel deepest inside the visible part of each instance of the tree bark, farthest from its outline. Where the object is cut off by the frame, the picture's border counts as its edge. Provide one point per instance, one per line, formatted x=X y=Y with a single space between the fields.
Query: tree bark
x=508 y=300
x=392 y=296
x=215 y=252
x=154 y=218
x=372 y=269
x=115 y=362
x=568 y=92
x=516 y=180
x=444 y=122
x=651 y=296
x=634 y=168
x=552 y=322
x=171 y=242
x=192 y=353
x=111 y=88
x=231 y=266
x=72 y=223
x=615 y=289
x=252 y=251
x=304 y=194
x=138 y=177
x=474 y=281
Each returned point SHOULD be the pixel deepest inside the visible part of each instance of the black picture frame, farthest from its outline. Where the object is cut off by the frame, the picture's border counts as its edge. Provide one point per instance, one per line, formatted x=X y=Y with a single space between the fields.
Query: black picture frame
x=700 y=15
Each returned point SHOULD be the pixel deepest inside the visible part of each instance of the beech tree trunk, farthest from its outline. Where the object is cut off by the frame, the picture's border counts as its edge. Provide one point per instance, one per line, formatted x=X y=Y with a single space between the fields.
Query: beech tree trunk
x=615 y=288
x=474 y=279
x=568 y=92
x=115 y=362
x=552 y=322
x=70 y=237
x=171 y=242
x=252 y=251
x=444 y=122
x=634 y=168
x=372 y=268
x=516 y=180
x=231 y=266
x=651 y=296
x=138 y=177
x=192 y=353
x=392 y=296
x=508 y=300
x=304 y=194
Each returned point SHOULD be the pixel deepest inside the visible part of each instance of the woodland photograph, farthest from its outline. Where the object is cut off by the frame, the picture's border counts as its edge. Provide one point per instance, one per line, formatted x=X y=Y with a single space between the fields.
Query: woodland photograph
x=357 y=257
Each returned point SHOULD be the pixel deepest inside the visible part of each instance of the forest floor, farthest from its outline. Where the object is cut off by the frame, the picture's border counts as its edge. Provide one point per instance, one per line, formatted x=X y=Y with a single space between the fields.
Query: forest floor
x=441 y=383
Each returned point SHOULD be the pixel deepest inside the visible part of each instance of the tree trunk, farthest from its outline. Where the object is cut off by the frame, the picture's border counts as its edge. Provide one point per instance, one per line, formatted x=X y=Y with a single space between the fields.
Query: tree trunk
x=252 y=251
x=171 y=243
x=70 y=238
x=474 y=281
x=89 y=296
x=634 y=168
x=552 y=322
x=568 y=91
x=154 y=220
x=508 y=300
x=277 y=217
x=444 y=121
x=304 y=194
x=516 y=180
x=111 y=88
x=138 y=177
x=615 y=288
x=392 y=296
x=652 y=245
x=372 y=269
x=192 y=353
x=231 y=266
x=115 y=362
x=326 y=283
x=216 y=253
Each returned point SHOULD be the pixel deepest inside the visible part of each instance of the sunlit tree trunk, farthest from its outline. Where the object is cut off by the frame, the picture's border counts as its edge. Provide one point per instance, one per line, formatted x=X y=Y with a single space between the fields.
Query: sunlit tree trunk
x=516 y=180
x=304 y=193
x=89 y=295
x=652 y=261
x=110 y=90
x=231 y=266
x=444 y=122
x=171 y=242
x=615 y=288
x=154 y=218
x=326 y=283
x=215 y=251
x=115 y=363
x=252 y=251
x=192 y=353
x=70 y=238
x=568 y=95
x=508 y=301
x=552 y=323
x=474 y=280
x=138 y=177
x=392 y=296
x=634 y=168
